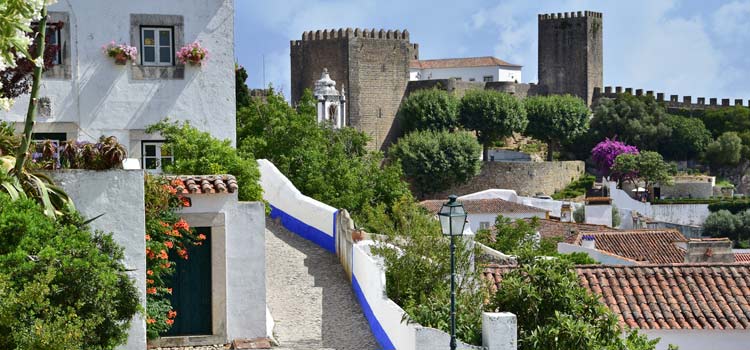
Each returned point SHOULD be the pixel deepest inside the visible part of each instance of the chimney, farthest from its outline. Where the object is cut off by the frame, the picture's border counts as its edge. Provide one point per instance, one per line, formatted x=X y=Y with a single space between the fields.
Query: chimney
x=717 y=250
x=589 y=242
x=566 y=213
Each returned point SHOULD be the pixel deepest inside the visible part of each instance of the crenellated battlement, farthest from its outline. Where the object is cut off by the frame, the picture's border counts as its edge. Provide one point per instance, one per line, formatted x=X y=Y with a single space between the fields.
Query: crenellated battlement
x=341 y=33
x=564 y=15
x=673 y=101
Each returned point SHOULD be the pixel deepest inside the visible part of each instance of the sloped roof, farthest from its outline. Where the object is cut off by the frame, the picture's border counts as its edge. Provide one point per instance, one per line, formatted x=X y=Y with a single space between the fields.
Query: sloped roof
x=742 y=257
x=654 y=246
x=486 y=61
x=666 y=296
x=203 y=184
x=567 y=230
x=486 y=206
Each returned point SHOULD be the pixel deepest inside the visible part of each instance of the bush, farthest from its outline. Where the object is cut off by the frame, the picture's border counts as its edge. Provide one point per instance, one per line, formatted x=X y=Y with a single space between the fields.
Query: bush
x=721 y=224
x=198 y=153
x=725 y=151
x=62 y=287
x=579 y=215
x=732 y=206
x=432 y=109
x=435 y=161
x=576 y=188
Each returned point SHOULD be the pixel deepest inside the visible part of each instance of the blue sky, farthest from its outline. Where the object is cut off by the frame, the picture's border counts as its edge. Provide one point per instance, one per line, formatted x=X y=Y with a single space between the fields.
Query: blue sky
x=696 y=47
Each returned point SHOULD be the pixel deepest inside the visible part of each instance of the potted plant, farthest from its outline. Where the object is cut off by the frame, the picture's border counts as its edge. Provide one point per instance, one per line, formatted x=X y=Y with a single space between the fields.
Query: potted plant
x=120 y=52
x=193 y=53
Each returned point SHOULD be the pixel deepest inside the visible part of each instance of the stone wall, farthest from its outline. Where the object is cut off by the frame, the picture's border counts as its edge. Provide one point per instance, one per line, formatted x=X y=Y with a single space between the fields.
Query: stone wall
x=570 y=53
x=526 y=178
x=459 y=88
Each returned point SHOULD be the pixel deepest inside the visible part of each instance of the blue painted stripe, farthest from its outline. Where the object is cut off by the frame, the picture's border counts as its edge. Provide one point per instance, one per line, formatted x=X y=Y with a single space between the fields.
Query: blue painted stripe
x=377 y=330
x=335 y=214
x=304 y=230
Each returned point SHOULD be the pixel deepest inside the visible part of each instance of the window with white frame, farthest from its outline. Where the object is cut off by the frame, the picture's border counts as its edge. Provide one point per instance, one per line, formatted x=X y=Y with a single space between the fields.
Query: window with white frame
x=157 y=46
x=487 y=78
x=484 y=225
x=55 y=39
x=155 y=155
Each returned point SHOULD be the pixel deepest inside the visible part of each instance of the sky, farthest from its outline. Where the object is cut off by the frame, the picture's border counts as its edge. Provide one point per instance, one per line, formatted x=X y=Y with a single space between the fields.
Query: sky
x=692 y=47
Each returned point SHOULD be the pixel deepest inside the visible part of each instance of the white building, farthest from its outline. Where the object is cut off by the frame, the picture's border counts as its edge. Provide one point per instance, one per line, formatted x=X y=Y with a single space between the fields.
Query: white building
x=481 y=69
x=331 y=104
x=86 y=95
x=481 y=213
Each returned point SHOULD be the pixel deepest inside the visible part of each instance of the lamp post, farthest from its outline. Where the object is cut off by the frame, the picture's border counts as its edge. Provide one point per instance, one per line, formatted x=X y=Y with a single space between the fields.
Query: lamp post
x=452 y=220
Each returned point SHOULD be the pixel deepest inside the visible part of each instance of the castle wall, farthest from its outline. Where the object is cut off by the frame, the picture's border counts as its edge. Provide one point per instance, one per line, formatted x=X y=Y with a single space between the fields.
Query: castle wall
x=570 y=53
x=459 y=88
x=526 y=178
x=672 y=102
x=318 y=50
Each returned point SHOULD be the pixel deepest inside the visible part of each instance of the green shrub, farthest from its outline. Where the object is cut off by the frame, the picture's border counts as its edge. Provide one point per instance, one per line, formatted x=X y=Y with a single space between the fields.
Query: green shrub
x=576 y=188
x=198 y=153
x=61 y=286
x=721 y=224
x=429 y=110
x=734 y=206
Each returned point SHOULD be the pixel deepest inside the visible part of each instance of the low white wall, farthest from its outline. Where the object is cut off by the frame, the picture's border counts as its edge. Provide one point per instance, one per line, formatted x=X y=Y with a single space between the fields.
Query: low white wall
x=701 y=339
x=682 y=214
x=300 y=214
x=622 y=200
x=476 y=219
x=118 y=194
x=508 y=195
x=598 y=255
x=599 y=215
x=553 y=206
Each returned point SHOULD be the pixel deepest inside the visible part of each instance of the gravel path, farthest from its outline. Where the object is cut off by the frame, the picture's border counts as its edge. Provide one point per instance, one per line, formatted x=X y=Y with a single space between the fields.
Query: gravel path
x=309 y=296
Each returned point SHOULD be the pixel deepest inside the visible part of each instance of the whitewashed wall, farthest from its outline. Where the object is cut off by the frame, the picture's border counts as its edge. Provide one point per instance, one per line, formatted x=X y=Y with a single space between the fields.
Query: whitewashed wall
x=300 y=214
x=683 y=214
x=701 y=339
x=468 y=73
x=476 y=219
x=598 y=255
x=103 y=98
x=599 y=215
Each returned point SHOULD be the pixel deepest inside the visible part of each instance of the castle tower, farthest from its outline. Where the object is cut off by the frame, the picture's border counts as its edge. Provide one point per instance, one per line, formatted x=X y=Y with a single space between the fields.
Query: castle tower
x=372 y=65
x=331 y=104
x=570 y=53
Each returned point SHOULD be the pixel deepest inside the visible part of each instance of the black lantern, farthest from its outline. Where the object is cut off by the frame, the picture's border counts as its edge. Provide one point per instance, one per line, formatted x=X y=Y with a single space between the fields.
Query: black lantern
x=452 y=220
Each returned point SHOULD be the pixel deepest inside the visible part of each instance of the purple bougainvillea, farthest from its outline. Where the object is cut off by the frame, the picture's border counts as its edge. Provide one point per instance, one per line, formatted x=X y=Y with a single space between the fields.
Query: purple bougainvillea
x=605 y=152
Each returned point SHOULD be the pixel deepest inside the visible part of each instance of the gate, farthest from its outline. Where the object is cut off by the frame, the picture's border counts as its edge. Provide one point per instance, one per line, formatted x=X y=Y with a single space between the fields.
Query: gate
x=191 y=292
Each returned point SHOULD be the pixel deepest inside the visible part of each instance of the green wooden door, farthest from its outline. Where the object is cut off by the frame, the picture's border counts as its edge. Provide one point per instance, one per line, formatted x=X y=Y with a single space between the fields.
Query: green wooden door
x=191 y=296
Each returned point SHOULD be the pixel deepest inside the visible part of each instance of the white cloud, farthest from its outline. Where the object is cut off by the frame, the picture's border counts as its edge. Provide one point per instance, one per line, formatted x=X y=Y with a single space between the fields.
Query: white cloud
x=730 y=21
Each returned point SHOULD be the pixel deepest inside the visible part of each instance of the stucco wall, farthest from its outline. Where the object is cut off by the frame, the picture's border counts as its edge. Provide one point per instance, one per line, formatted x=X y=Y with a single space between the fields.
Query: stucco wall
x=468 y=73
x=526 y=178
x=241 y=273
x=598 y=255
x=688 y=190
x=476 y=219
x=701 y=339
x=118 y=194
x=683 y=214
x=599 y=215
x=106 y=99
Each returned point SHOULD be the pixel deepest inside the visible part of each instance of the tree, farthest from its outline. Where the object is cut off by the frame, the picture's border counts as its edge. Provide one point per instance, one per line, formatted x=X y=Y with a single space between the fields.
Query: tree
x=330 y=165
x=62 y=286
x=555 y=312
x=647 y=166
x=721 y=224
x=197 y=152
x=721 y=120
x=493 y=115
x=555 y=119
x=725 y=151
x=435 y=161
x=605 y=153
x=636 y=120
x=431 y=109
x=689 y=138
x=242 y=93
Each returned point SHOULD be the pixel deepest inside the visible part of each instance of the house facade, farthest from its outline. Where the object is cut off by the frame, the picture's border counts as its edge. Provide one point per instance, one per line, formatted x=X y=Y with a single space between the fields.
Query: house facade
x=482 y=69
x=482 y=213
x=87 y=95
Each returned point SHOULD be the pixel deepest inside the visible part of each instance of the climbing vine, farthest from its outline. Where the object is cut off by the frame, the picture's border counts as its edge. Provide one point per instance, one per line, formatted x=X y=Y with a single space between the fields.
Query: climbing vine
x=167 y=238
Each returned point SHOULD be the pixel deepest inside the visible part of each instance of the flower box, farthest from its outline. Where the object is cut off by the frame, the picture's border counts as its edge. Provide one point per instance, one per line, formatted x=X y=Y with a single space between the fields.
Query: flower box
x=122 y=53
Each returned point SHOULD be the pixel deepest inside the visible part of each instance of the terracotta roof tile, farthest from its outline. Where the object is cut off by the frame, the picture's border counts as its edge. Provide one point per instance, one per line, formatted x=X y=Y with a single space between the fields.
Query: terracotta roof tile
x=742 y=257
x=666 y=296
x=654 y=246
x=203 y=184
x=486 y=61
x=486 y=206
x=567 y=230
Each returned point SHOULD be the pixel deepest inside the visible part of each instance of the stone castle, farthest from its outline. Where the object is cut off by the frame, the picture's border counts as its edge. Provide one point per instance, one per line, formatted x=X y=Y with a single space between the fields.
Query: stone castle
x=373 y=66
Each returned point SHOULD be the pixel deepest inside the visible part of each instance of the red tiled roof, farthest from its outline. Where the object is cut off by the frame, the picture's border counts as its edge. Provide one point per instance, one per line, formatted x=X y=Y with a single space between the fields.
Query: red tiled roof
x=668 y=296
x=486 y=61
x=566 y=230
x=203 y=184
x=742 y=257
x=486 y=206
x=654 y=246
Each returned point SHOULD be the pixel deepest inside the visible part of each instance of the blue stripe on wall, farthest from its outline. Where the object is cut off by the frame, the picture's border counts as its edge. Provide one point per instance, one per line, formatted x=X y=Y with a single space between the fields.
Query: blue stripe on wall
x=377 y=330
x=304 y=230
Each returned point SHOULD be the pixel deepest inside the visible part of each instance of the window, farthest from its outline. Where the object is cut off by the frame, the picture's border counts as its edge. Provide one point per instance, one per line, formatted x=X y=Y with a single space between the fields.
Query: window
x=472 y=79
x=55 y=138
x=487 y=78
x=155 y=155
x=458 y=78
x=484 y=225
x=54 y=34
x=157 y=48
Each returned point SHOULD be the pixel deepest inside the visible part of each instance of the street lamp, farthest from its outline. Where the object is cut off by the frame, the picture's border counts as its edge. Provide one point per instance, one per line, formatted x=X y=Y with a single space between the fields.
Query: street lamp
x=452 y=220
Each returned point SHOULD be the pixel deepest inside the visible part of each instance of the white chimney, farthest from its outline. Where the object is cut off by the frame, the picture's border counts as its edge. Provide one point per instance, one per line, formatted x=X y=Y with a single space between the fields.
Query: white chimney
x=588 y=242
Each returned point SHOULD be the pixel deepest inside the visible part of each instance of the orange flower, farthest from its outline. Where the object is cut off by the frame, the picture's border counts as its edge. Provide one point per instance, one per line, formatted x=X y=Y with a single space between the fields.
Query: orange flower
x=149 y=272
x=169 y=244
x=148 y=238
x=150 y=281
x=201 y=237
x=151 y=321
x=163 y=254
x=170 y=322
x=185 y=202
x=169 y=290
x=163 y=224
x=151 y=290
x=166 y=265
x=181 y=225
x=171 y=314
